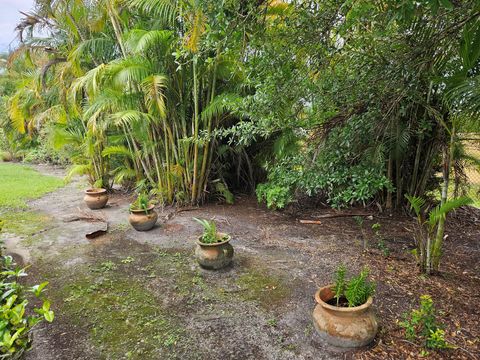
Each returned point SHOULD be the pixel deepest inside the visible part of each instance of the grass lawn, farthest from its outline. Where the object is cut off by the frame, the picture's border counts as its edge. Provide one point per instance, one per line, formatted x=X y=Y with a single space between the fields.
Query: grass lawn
x=20 y=183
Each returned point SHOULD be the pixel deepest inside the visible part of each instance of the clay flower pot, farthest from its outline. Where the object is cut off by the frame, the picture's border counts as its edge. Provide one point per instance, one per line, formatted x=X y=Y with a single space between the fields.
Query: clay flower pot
x=346 y=327
x=143 y=220
x=216 y=255
x=96 y=198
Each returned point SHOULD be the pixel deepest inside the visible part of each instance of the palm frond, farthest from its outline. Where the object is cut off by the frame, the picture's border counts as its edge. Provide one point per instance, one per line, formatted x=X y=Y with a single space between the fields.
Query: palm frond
x=219 y=105
x=197 y=28
x=15 y=112
x=130 y=70
x=441 y=211
x=129 y=117
x=416 y=203
x=123 y=173
x=153 y=88
x=166 y=10
x=117 y=150
x=140 y=41
x=79 y=169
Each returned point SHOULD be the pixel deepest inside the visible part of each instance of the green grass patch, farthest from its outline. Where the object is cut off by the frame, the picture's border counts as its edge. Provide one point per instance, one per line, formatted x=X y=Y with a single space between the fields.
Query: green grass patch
x=21 y=183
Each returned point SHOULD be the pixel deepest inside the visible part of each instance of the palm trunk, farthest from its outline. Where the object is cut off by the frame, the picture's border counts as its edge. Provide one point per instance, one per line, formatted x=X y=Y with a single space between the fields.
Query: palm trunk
x=447 y=165
x=206 y=148
x=389 y=175
x=195 y=134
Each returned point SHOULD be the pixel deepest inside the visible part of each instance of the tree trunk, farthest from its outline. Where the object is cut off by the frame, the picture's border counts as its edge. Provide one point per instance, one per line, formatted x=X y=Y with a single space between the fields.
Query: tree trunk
x=447 y=165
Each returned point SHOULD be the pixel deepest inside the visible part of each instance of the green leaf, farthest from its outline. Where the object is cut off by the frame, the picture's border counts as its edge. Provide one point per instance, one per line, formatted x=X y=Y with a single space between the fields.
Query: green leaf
x=49 y=316
x=37 y=289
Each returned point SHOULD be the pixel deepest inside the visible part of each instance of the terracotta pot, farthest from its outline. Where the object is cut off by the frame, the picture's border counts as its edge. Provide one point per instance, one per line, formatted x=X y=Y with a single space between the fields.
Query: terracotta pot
x=214 y=256
x=344 y=326
x=96 y=198
x=143 y=220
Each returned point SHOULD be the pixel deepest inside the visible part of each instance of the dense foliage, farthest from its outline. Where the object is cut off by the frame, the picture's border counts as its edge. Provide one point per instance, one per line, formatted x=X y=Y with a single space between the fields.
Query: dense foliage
x=351 y=101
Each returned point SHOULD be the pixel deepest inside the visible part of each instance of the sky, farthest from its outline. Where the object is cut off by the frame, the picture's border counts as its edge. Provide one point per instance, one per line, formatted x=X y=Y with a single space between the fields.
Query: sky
x=9 y=17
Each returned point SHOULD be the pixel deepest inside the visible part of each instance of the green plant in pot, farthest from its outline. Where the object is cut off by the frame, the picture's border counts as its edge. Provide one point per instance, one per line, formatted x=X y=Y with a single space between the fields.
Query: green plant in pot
x=143 y=216
x=213 y=250
x=96 y=196
x=344 y=316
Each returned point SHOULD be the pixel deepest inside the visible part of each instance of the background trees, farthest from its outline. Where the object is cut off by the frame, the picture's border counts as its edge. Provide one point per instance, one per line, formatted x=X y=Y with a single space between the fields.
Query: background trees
x=355 y=102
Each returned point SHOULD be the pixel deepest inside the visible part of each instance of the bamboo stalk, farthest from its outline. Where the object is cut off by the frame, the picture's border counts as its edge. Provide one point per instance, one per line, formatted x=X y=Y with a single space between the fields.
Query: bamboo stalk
x=195 y=133
x=448 y=160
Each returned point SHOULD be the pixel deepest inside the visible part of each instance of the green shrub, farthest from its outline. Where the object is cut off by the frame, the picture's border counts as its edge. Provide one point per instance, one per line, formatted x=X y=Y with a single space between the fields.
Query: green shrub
x=276 y=197
x=17 y=318
x=346 y=169
x=421 y=325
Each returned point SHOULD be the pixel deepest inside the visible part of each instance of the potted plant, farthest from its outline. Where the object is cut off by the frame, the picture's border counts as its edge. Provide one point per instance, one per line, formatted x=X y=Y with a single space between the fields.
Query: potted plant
x=344 y=315
x=213 y=250
x=142 y=217
x=96 y=198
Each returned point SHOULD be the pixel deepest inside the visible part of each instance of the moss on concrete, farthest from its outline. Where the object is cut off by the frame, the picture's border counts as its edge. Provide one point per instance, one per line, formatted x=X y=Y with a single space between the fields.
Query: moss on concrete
x=258 y=285
x=136 y=301
x=125 y=320
x=25 y=223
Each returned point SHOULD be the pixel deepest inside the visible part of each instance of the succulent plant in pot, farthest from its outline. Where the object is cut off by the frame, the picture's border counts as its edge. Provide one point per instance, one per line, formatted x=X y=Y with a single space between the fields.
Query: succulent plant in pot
x=213 y=250
x=344 y=316
x=142 y=217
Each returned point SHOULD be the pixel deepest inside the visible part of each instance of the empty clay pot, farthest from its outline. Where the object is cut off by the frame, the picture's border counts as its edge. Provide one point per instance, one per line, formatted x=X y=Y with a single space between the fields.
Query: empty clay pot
x=96 y=198
x=143 y=220
x=214 y=256
x=346 y=327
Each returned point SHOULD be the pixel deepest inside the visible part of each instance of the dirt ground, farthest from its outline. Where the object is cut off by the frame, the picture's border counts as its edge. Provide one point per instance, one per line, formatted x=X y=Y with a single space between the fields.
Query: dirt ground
x=133 y=295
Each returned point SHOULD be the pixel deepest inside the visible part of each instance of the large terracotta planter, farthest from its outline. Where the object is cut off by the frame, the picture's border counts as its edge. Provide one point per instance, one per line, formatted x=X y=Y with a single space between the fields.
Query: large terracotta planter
x=214 y=256
x=143 y=220
x=344 y=326
x=96 y=198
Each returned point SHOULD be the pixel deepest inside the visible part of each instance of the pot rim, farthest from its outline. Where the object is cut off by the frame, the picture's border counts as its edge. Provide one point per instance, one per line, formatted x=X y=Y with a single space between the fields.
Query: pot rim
x=95 y=191
x=229 y=237
x=140 y=211
x=349 y=310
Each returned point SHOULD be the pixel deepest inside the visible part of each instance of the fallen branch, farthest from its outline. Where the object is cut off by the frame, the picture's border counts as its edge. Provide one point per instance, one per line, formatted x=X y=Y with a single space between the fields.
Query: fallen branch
x=172 y=214
x=317 y=222
x=328 y=216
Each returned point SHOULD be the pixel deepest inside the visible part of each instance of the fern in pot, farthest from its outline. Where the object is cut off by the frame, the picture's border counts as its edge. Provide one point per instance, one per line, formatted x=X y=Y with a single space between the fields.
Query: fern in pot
x=344 y=315
x=213 y=250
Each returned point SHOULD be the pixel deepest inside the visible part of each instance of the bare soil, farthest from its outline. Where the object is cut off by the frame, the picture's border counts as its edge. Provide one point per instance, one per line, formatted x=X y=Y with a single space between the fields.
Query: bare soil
x=141 y=295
